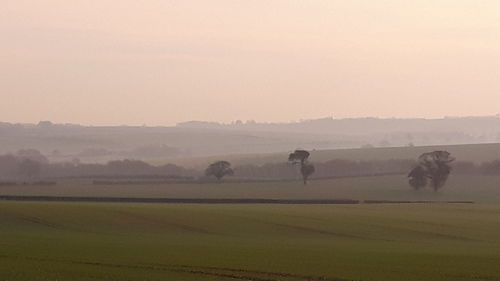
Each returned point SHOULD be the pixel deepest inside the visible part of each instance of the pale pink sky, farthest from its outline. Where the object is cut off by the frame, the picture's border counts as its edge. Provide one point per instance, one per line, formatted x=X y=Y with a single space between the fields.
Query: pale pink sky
x=159 y=62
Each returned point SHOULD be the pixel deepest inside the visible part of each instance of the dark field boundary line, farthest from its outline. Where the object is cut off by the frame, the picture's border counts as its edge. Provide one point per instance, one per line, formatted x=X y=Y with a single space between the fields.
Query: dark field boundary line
x=209 y=200
x=419 y=201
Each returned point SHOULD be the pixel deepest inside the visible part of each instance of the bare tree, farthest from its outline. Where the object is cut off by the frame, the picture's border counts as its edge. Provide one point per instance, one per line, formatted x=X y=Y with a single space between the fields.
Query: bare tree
x=433 y=166
x=219 y=169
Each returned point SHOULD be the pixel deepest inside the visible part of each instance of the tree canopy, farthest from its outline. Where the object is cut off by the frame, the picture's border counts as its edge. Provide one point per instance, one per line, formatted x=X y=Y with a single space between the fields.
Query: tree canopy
x=433 y=167
x=298 y=156
x=219 y=169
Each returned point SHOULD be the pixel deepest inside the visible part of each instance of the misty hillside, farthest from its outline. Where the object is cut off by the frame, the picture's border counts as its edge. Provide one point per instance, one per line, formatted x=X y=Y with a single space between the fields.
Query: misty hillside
x=62 y=142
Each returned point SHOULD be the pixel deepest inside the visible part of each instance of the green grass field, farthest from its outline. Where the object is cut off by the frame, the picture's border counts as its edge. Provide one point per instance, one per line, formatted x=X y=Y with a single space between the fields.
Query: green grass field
x=140 y=242
x=92 y=241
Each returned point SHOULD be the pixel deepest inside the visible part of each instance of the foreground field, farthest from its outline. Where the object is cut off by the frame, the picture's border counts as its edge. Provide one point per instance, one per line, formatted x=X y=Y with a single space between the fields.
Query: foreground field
x=91 y=241
x=481 y=189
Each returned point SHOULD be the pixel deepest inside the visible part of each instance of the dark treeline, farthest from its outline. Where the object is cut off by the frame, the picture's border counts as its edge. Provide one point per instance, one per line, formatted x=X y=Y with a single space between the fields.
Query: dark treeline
x=119 y=168
x=32 y=165
x=329 y=169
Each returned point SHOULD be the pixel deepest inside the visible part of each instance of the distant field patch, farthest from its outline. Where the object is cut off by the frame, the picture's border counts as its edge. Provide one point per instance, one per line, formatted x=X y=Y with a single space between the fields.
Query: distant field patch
x=480 y=189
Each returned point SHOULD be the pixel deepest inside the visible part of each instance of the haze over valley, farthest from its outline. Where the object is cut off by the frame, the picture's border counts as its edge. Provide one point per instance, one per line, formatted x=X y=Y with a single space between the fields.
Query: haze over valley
x=64 y=142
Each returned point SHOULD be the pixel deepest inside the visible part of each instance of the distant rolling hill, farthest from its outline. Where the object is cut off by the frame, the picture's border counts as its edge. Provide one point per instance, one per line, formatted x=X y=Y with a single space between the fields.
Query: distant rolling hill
x=64 y=142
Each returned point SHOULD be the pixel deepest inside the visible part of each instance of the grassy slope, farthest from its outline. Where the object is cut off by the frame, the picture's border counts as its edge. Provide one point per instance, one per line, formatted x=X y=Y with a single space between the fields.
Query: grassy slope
x=60 y=241
x=476 y=188
x=467 y=152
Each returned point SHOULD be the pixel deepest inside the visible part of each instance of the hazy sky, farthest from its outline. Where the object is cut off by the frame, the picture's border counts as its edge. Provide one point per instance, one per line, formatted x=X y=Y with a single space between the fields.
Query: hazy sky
x=159 y=62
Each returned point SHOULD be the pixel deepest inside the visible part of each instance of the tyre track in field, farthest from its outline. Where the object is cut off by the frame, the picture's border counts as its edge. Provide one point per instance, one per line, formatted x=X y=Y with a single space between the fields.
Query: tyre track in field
x=306 y=229
x=46 y=223
x=39 y=221
x=161 y=221
x=275 y=274
x=222 y=272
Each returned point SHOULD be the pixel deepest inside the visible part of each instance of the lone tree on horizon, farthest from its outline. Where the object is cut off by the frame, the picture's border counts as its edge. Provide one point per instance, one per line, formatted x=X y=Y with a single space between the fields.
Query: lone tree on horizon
x=302 y=157
x=432 y=166
x=219 y=169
